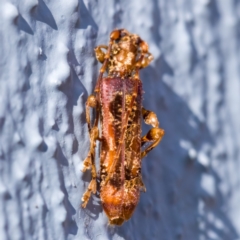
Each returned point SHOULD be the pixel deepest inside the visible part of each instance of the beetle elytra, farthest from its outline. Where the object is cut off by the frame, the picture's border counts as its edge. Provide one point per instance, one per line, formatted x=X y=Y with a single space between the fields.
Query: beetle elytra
x=117 y=100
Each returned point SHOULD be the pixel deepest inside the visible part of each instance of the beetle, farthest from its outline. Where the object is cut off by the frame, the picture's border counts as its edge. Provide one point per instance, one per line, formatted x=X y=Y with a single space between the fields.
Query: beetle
x=117 y=100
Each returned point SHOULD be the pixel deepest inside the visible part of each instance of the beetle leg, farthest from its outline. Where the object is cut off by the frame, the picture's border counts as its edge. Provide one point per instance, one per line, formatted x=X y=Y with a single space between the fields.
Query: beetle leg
x=89 y=161
x=154 y=135
x=92 y=188
x=91 y=103
x=100 y=54
x=146 y=57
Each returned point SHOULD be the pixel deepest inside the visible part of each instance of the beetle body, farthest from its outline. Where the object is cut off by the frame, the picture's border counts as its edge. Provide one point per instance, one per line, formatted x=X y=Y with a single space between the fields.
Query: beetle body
x=118 y=103
x=121 y=193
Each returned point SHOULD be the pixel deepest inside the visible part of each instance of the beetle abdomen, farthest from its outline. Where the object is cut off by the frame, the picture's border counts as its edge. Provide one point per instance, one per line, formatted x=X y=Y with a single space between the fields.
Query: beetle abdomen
x=119 y=203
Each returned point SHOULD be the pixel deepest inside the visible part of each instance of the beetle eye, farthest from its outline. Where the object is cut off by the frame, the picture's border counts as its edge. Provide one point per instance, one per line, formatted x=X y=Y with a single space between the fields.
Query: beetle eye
x=123 y=34
x=137 y=41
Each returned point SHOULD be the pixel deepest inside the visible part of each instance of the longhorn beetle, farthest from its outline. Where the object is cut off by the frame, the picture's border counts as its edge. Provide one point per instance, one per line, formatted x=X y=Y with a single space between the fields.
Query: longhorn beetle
x=118 y=102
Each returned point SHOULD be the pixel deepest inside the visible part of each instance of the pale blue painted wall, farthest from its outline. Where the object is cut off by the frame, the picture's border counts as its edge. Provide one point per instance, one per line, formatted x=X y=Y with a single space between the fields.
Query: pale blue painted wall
x=47 y=70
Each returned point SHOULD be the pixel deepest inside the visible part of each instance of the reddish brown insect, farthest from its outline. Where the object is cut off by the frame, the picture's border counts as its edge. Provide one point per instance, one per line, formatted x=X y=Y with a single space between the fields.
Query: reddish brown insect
x=118 y=103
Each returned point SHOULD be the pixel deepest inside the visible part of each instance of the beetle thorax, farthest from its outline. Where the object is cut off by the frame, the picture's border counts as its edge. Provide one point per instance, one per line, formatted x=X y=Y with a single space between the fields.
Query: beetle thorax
x=123 y=57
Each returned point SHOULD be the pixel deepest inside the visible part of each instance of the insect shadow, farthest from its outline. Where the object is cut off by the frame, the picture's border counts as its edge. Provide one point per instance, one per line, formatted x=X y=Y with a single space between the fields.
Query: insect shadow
x=69 y=224
x=74 y=91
